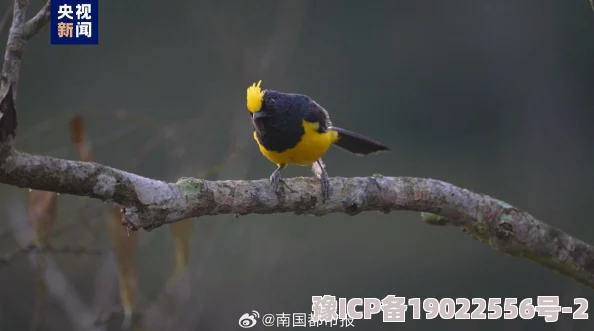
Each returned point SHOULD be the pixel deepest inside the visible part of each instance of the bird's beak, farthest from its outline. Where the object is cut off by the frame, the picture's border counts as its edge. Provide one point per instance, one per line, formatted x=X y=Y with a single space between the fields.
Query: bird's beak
x=259 y=114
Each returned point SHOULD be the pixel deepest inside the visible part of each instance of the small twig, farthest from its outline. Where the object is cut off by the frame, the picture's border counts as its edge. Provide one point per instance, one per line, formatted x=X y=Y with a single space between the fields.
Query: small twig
x=48 y=249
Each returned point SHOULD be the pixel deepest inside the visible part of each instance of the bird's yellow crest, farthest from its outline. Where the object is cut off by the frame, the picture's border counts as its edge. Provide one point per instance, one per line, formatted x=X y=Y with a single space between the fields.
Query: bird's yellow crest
x=254 y=97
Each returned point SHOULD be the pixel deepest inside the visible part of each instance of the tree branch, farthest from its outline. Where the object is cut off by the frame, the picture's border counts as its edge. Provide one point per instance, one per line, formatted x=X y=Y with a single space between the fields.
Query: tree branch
x=20 y=32
x=149 y=203
x=34 y=25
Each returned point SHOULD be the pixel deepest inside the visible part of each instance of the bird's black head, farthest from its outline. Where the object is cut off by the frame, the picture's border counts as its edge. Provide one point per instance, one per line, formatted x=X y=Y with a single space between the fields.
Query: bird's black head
x=270 y=103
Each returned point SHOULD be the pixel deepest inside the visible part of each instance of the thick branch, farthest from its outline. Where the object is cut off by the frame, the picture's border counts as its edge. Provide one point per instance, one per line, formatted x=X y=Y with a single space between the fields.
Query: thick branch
x=149 y=203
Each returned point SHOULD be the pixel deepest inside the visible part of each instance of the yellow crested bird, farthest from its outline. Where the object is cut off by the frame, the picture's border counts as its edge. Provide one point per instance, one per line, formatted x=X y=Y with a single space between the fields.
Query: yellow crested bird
x=294 y=129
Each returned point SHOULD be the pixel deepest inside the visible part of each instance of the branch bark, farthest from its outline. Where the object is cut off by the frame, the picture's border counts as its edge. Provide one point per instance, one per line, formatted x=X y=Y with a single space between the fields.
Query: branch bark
x=34 y=25
x=148 y=204
x=20 y=32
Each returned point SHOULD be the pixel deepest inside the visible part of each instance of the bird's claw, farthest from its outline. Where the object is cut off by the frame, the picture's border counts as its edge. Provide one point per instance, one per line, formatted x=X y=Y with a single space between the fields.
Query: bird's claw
x=325 y=186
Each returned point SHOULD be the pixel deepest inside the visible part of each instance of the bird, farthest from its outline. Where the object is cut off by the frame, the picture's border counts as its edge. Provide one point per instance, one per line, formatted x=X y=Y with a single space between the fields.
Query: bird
x=292 y=128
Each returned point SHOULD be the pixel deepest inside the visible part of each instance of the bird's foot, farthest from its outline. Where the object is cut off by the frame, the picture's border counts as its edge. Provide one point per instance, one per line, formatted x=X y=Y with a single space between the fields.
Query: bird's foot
x=275 y=182
x=325 y=180
x=320 y=172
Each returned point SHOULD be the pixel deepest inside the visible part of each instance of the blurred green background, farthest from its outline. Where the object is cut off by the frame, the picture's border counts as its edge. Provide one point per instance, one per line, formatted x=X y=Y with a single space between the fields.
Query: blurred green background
x=493 y=96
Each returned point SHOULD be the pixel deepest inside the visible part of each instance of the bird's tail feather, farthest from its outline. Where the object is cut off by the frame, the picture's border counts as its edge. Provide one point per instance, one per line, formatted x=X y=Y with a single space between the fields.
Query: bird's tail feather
x=357 y=143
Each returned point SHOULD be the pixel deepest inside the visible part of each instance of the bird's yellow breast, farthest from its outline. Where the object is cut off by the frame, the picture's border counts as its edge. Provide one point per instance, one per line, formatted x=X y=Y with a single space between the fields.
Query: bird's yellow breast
x=310 y=148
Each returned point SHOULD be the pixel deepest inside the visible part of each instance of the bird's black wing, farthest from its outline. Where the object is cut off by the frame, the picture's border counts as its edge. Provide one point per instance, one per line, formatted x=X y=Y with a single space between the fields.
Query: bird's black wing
x=316 y=113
